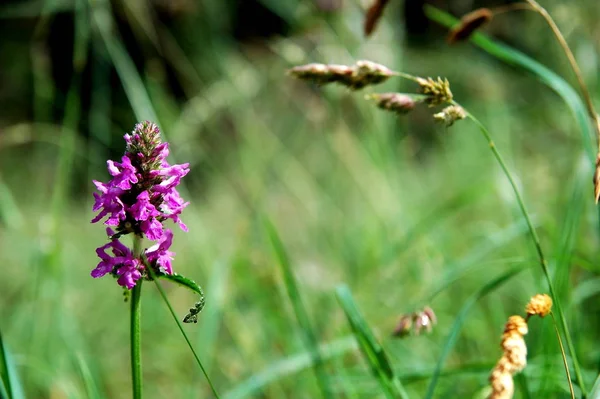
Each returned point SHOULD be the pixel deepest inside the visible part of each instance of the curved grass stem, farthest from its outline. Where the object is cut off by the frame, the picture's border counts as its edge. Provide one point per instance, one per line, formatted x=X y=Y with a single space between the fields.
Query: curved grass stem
x=542 y=259
x=574 y=66
x=562 y=351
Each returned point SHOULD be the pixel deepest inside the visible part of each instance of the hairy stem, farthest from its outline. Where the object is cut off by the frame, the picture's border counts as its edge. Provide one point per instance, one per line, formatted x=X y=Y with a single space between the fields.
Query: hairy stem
x=542 y=259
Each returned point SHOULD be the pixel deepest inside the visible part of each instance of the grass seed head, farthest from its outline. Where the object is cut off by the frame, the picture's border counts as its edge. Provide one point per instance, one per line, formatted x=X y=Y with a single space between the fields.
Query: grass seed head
x=438 y=91
x=374 y=14
x=368 y=73
x=404 y=326
x=469 y=24
x=513 y=360
x=395 y=102
x=502 y=384
x=322 y=74
x=362 y=74
x=540 y=304
x=449 y=115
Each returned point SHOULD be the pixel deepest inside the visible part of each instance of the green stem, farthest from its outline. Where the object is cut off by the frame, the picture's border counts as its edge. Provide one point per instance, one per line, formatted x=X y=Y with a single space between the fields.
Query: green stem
x=136 y=356
x=562 y=351
x=538 y=248
x=135 y=332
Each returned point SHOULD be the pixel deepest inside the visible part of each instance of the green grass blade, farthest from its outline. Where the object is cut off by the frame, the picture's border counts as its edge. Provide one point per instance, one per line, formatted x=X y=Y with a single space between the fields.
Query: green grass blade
x=545 y=75
x=595 y=392
x=10 y=387
x=309 y=336
x=370 y=347
x=288 y=366
x=10 y=214
x=460 y=319
x=5 y=386
x=130 y=78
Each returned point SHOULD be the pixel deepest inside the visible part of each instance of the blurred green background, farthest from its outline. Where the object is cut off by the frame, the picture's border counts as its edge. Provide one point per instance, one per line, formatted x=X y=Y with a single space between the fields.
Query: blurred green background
x=405 y=212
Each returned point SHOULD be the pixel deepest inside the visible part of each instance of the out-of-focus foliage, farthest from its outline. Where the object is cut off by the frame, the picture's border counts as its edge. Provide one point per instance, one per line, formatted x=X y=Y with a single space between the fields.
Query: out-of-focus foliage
x=406 y=213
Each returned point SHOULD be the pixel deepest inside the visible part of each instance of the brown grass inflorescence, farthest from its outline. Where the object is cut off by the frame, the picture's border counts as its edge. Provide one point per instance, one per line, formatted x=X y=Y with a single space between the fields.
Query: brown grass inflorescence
x=469 y=24
x=374 y=14
x=358 y=76
x=450 y=114
x=396 y=102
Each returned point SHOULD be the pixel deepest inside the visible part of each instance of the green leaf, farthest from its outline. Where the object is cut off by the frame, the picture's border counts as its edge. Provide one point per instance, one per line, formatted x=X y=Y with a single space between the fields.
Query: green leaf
x=183 y=281
x=370 y=347
x=192 y=316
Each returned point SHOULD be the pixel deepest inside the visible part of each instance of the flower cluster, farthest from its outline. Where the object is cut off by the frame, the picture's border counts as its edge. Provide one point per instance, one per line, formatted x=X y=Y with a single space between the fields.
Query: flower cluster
x=139 y=198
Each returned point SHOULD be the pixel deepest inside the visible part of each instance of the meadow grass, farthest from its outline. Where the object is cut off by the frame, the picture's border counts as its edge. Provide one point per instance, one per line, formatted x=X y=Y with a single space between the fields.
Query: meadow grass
x=369 y=215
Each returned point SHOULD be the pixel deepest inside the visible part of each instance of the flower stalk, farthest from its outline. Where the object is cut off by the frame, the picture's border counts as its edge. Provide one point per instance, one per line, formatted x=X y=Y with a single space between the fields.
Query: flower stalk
x=136 y=340
x=139 y=199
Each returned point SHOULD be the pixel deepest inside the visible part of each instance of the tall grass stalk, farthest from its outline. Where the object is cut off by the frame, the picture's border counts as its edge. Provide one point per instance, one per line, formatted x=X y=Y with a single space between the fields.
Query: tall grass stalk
x=541 y=257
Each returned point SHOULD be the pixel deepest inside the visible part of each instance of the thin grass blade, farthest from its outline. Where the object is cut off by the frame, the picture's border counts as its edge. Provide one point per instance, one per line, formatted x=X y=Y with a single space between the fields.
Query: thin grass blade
x=10 y=386
x=595 y=392
x=309 y=336
x=370 y=347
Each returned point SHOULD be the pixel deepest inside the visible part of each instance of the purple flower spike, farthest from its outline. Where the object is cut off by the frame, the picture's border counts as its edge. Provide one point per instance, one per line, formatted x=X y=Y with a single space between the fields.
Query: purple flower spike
x=124 y=173
x=160 y=254
x=139 y=199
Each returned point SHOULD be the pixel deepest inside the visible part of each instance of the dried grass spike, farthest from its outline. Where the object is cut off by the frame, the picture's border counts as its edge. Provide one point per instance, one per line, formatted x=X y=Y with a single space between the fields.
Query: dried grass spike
x=322 y=74
x=502 y=385
x=450 y=114
x=516 y=324
x=540 y=304
x=395 y=102
x=469 y=24
x=404 y=326
x=513 y=360
x=373 y=16
x=369 y=73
